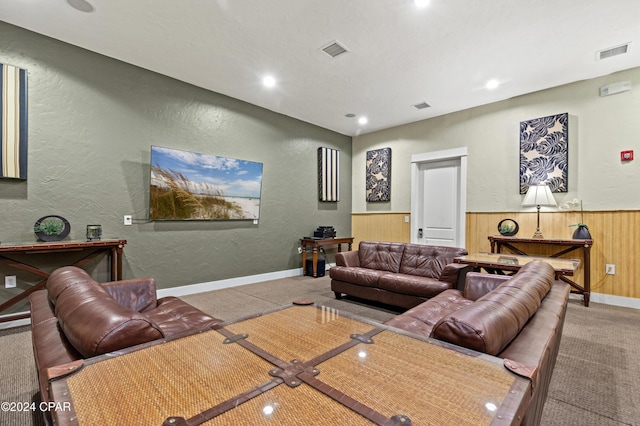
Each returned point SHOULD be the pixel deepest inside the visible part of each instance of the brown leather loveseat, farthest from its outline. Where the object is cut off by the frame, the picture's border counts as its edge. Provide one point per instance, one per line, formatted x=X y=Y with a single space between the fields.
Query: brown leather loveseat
x=517 y=318
x=77 y=318
x=396 y=274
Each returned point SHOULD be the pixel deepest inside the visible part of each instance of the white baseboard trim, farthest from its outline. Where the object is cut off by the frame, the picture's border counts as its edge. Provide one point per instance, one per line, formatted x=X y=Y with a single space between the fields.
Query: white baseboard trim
x=608 y=299
x=231 y=282
x=15 y=323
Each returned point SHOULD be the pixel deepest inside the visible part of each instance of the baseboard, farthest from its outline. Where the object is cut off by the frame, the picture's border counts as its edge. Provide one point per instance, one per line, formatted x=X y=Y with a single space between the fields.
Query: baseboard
x=231 y=282
x=608 y=299
x=15 y=323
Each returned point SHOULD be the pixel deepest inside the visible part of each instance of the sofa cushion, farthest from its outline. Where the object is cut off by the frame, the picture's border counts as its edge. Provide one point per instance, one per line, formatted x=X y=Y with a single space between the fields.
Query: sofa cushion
x=380 y=256
x=360 y=276
x=427 y=260
x=421 y=319
x=490 y=323
x=175 y=316
x=92 y=320
x=412 y=284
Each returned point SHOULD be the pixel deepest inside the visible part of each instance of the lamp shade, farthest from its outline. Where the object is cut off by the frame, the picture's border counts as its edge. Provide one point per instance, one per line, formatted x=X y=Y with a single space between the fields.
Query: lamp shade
x=539 y=195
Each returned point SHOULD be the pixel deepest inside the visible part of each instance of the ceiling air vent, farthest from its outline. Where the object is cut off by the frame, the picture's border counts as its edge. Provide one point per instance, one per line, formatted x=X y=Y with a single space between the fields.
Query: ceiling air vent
x=334 y=49
x=422 y=105
x=612 y=51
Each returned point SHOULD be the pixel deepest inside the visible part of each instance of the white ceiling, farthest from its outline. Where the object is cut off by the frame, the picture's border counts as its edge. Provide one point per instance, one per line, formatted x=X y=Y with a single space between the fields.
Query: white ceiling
x=399 y=54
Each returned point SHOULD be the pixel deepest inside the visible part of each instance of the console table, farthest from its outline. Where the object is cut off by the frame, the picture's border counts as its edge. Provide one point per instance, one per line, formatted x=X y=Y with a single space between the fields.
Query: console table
x=314 y=243
x=96 y=247
x=498 y=263
x=497 y=242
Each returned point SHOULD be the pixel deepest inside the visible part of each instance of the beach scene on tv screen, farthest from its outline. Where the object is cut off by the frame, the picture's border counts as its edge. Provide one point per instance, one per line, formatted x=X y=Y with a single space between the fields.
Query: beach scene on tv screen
x=193 y=186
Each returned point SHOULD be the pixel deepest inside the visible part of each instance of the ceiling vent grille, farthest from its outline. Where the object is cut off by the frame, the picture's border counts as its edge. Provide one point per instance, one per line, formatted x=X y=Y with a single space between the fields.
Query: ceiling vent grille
x=334 y=49
x=613 y=51
x=422 y=105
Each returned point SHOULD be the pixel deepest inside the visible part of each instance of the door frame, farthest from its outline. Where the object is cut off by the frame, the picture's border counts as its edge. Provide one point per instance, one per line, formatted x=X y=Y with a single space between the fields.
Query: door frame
x=417 y=199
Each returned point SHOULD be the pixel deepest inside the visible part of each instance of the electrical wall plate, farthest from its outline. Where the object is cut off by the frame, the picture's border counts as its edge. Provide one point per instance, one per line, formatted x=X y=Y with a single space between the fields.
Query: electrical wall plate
x=10 y=281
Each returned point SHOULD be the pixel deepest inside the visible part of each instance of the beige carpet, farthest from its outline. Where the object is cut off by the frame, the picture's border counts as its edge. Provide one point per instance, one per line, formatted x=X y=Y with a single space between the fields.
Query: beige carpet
x=595 y=381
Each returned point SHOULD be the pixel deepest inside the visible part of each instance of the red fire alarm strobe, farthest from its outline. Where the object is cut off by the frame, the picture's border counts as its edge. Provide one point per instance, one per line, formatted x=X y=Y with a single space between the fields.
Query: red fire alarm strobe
x=626 y=155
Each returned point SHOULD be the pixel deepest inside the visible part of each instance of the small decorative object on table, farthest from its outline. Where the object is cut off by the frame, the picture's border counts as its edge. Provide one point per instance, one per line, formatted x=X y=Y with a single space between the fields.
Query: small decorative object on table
x=582 y=232
x=52 y=228
x=508 y=227
x=94 y=232
x=324 y=232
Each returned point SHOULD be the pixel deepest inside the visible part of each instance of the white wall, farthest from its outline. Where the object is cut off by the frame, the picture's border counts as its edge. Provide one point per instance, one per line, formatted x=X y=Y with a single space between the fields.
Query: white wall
x=600 y=127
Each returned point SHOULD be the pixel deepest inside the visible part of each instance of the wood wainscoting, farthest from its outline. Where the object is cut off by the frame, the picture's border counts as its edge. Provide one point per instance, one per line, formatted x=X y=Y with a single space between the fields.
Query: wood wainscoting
x=616 y=239
x=380 y=227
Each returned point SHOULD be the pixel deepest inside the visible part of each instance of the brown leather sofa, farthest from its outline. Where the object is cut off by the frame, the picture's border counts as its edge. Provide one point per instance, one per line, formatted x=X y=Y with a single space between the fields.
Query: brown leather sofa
x=396 y=274
x=517 y=318
x=77 y=318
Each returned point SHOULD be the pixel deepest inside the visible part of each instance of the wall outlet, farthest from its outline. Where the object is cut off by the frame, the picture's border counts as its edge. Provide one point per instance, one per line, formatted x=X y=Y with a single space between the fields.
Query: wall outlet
x=10 y=281
x=299 y=250
x=128 y=219
x=611 y=269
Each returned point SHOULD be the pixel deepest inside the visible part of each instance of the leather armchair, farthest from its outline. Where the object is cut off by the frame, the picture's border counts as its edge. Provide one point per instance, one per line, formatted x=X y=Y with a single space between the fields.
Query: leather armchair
x=77 y=318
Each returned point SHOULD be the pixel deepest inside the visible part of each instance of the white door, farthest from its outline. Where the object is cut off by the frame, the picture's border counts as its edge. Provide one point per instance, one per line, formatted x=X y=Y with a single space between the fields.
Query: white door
x=439 y=198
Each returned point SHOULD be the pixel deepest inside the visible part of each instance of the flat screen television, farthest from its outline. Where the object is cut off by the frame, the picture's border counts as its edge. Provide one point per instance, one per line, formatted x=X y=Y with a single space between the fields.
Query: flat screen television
x=188 y=185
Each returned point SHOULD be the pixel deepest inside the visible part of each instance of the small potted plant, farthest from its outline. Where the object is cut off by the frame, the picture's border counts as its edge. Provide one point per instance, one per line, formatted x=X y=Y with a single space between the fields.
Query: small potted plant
x=52 y=228
x=582 y=230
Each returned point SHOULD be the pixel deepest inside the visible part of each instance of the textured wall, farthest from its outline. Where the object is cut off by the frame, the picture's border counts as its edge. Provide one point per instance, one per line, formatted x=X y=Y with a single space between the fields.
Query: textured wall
x=92 y=121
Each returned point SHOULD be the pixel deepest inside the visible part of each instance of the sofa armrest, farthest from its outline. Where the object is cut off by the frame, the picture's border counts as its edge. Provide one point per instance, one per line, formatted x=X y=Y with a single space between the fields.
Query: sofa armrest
x=478 y=284
x=348 y=258
x=137 y=294
x=453 y=274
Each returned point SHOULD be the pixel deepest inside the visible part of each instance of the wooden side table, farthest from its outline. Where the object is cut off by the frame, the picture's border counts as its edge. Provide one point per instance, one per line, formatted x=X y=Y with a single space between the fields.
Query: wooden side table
x=314 y=244
x=95 y=248
x=497 y=242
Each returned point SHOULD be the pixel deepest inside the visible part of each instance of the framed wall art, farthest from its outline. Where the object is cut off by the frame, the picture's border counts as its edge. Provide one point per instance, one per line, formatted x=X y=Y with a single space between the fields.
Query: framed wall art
x=378 y=175
x=13 y=122
x=544 y=152
x=328 y=174
x=188 y=185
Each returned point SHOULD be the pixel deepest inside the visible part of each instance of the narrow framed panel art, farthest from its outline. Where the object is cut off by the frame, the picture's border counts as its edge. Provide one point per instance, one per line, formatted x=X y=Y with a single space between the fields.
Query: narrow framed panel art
x=378 y=175
x=544 y=152
x=328 y=174
x=188 y=185
x=13 y=122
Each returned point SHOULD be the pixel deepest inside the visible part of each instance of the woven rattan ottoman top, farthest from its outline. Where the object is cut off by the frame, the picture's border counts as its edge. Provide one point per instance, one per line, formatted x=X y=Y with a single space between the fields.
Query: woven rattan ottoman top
x=291 y=366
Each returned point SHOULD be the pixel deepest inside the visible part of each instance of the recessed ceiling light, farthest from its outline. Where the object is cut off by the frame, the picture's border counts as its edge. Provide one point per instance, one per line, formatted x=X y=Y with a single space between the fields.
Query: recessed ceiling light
x=421 y=3
x=81 y=5
x=350 y=115
x=363 y=120
x=492 y=84
x=269 y=81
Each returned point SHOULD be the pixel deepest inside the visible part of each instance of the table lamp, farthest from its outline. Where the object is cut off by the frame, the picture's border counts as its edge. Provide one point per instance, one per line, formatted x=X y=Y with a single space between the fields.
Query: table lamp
x=539 y=195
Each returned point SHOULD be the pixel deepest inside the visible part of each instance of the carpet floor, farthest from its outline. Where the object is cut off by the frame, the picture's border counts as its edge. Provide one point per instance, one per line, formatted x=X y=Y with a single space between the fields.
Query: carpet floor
x=595 y=381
